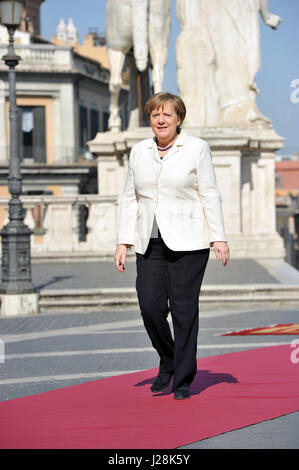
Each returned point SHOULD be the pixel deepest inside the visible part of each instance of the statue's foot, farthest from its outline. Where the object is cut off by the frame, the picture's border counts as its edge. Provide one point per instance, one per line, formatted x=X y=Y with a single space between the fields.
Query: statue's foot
x=257 y=119
x=245 y=115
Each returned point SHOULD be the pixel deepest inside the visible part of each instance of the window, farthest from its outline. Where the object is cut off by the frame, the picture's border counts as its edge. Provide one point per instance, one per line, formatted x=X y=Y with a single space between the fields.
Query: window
x=105 y=119
x=32 y=133
x=83 y=126
x=94 y=122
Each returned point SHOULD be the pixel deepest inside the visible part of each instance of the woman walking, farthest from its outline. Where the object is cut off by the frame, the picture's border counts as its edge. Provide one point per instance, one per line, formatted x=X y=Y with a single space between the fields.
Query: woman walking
x=170 y=211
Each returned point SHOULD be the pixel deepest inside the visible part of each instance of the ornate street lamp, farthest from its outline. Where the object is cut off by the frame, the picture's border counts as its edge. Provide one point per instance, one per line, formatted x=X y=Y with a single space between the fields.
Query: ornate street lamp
x=16 y=259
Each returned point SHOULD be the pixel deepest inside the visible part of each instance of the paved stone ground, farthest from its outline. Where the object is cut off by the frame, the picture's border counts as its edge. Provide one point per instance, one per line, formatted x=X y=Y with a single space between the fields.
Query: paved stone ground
x=104 y=274
x=51 y=351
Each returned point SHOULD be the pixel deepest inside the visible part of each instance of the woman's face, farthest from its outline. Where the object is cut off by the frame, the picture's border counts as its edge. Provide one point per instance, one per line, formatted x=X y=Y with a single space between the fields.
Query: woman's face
x=164 y=122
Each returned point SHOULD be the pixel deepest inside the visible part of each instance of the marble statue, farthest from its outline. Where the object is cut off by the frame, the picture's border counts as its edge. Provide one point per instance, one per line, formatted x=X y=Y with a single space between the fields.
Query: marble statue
x=218 y=57
x=196 y=64
x=143 y=25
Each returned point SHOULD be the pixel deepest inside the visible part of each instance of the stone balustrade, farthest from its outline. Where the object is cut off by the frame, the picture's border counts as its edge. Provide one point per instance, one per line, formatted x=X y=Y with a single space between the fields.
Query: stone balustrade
x=52 y=58
x=66 y=226
x=44 y=57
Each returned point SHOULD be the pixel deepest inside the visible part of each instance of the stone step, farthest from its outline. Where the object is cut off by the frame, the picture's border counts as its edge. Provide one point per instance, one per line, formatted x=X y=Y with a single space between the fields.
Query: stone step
x=125 y=298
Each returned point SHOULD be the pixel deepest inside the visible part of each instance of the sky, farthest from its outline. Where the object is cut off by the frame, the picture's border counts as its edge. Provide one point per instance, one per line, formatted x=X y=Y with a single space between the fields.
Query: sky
x=278 y=100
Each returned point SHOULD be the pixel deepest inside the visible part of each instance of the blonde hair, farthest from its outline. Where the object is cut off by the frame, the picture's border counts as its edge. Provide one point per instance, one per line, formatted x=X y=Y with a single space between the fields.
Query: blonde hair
x=160 y=99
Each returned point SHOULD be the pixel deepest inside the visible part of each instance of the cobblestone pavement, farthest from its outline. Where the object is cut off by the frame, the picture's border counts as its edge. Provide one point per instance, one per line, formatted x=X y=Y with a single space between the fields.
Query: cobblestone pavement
x=51 y=351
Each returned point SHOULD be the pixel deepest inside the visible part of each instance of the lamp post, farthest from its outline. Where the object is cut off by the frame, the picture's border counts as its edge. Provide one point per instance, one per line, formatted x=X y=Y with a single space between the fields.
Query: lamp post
x=16 y=258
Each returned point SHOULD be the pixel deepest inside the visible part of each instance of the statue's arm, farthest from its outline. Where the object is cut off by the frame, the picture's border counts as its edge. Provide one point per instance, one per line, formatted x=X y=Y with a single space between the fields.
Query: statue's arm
x=269 y=18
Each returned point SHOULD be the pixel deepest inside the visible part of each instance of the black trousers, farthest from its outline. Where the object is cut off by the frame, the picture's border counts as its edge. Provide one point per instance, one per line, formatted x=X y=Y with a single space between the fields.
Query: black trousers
x=170 y=281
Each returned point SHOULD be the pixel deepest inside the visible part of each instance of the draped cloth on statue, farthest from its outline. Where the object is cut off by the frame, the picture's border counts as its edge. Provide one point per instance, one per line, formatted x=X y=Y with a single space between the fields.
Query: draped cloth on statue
x=235 y=35
x=218 y=57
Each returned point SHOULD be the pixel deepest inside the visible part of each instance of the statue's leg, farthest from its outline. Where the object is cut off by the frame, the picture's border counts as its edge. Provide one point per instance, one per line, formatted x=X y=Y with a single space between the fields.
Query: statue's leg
x=196 y=78
x=159 y=34
x=158 y=76
x=116 y=62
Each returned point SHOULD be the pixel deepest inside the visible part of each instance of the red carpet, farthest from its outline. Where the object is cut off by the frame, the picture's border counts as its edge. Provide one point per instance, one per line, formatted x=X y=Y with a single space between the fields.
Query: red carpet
x=229 y=392
x=289 y=329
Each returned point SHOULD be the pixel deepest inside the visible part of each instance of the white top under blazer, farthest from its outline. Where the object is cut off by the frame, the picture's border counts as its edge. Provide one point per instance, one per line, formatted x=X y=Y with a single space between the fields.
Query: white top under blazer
x=179 y=190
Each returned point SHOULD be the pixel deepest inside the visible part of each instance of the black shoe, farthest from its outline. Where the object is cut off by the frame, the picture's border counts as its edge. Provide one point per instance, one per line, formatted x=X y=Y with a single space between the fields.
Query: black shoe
x=161 y=383
x=182 y=392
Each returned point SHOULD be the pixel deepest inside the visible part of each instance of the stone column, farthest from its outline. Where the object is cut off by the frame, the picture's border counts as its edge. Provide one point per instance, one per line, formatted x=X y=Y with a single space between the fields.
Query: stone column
x=227 y=164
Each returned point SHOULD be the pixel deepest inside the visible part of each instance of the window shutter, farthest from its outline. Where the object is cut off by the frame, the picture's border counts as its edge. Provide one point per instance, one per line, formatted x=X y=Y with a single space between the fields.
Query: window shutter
x=39 y=135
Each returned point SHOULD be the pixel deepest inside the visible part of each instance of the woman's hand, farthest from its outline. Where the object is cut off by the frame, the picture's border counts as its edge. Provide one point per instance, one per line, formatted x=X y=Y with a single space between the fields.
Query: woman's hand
x=120 y=257
x=221 y=250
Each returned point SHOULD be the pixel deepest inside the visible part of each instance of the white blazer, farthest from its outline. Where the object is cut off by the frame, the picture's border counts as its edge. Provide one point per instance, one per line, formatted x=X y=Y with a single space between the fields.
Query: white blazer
x=180 y=190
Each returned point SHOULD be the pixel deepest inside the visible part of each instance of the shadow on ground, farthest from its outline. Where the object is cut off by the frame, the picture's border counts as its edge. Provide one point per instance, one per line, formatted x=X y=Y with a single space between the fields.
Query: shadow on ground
x=203 y=380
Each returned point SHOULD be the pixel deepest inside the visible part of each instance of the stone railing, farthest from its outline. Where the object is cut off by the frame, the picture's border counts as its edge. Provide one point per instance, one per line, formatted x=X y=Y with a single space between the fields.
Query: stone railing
x=45 y=57
x=52 y=58
x=67 y=226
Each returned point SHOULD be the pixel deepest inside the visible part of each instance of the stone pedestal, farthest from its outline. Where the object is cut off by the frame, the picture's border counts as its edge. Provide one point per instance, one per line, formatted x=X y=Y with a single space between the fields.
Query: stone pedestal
x=244 y=162
x=19 y=304
x=112 y=150
x=245 y=169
